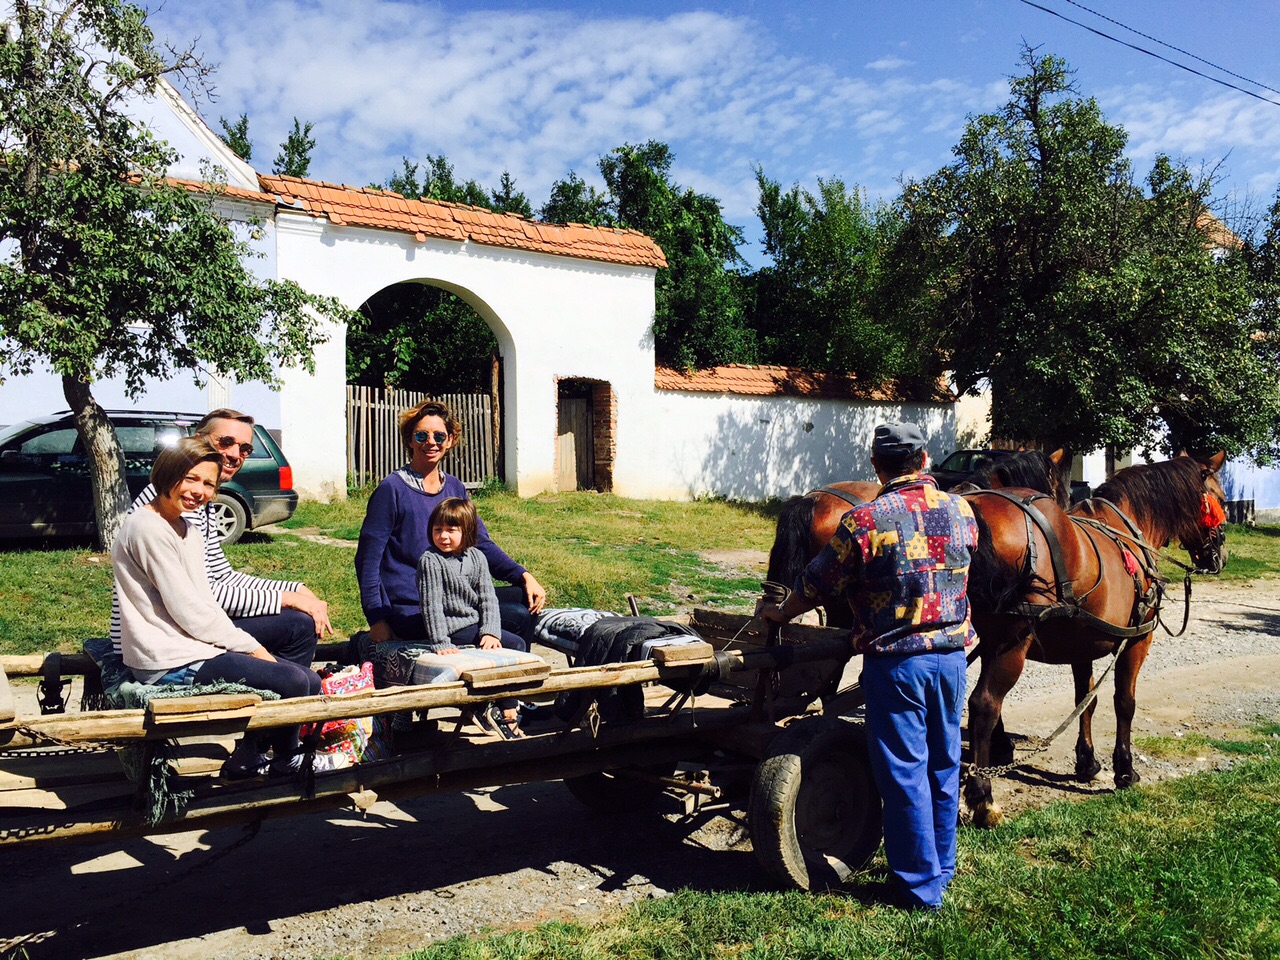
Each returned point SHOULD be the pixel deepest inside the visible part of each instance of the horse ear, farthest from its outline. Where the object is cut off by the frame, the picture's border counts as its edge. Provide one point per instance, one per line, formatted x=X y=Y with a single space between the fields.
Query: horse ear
x=1058 y=455
x=1215 y=462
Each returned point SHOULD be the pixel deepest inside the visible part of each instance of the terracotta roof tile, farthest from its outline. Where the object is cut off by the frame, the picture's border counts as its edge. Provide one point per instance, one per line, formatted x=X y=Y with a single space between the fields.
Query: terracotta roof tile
x=236 y=193
x=779 y=381
x=383 y=209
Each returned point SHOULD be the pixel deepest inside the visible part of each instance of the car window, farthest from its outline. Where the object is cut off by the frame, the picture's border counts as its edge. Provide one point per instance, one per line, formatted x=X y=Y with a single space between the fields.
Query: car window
x=51 y=444
x=958 y=461
x=260 y=451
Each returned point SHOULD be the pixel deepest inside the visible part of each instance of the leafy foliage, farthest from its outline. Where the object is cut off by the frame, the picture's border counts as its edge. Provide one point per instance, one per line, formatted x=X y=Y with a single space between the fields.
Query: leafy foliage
x=1096 y=312
x=573 y=200
x=818 y=303
x=294 y=158
x=236 y=136
x=418 y=337
x=109 y=268
x=507 y=199
x=698 y=318
x=437 y=183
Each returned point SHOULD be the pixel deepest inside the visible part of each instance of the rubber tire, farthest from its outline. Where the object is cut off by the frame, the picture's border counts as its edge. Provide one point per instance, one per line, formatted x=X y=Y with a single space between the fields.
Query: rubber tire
x=814 y=810
x=229 y=517
x=606 y=792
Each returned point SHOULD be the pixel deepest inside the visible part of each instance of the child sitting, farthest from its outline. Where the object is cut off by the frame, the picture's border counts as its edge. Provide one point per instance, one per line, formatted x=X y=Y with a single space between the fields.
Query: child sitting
x=459 y=605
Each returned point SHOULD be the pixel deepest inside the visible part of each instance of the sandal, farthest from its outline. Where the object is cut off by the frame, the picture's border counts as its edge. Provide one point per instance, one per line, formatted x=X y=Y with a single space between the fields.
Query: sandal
x=491 y=720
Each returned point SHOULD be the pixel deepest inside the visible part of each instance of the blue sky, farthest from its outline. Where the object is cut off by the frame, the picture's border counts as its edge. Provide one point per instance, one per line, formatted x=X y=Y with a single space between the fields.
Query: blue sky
x=865 y=90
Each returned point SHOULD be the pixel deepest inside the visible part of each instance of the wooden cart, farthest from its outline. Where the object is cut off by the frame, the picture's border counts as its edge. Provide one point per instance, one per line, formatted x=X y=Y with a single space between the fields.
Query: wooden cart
x=742 y=711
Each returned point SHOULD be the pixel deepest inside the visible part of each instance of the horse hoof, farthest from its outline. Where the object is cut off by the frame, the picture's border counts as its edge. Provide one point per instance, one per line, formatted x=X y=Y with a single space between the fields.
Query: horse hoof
x=1124 y=781
x=1086 y=772
x=988 y=816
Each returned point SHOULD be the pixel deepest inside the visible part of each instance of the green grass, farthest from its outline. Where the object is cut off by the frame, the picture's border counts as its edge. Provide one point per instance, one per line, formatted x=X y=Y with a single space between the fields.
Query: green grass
x=586 y=549
x=1186 y=869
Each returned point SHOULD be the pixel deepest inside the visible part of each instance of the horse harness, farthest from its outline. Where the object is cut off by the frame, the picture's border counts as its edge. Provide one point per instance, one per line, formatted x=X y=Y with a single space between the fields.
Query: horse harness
x=1146 y=603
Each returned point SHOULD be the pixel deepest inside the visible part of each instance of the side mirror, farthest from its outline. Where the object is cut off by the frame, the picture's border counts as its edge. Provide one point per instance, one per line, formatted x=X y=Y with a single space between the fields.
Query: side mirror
x=10 y=459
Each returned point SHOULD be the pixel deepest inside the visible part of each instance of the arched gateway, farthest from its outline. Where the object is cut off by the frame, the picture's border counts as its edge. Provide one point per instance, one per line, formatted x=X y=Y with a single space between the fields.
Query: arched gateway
x=564 y=302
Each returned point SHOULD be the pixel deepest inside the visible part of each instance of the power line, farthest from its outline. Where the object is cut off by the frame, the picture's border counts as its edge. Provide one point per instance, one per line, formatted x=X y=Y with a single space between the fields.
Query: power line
x=1186 y=53
x=1152 y=53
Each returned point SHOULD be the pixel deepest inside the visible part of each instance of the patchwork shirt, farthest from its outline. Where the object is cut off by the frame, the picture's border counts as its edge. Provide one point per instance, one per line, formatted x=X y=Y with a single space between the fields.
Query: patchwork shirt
x=902 y=561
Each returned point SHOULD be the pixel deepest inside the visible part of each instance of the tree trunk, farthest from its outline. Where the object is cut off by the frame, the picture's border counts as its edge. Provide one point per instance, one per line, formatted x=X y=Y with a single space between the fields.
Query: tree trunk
x=106 y=459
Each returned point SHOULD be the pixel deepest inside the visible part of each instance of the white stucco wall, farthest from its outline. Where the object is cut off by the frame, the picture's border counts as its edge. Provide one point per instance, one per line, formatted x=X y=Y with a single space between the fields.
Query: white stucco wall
x=675 y=445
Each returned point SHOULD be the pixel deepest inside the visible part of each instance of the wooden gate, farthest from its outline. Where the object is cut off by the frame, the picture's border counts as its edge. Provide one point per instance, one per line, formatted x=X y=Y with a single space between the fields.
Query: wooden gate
x=373 y=434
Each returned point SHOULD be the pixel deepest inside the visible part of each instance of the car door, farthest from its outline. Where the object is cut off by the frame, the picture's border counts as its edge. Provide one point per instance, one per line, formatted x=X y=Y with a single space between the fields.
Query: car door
x=44 y=483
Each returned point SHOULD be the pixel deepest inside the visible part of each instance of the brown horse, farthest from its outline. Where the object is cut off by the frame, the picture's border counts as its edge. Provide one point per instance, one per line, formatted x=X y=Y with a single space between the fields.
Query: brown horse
x=807 y=523
x=1072 y=588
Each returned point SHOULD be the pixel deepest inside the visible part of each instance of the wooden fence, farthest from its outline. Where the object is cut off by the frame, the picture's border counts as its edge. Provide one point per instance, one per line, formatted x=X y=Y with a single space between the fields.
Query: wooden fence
x=373 y=435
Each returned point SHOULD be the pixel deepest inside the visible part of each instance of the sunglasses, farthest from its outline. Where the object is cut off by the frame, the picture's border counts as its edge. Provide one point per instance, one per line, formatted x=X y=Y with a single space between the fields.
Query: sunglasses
x=226 y=443
x=436 y=436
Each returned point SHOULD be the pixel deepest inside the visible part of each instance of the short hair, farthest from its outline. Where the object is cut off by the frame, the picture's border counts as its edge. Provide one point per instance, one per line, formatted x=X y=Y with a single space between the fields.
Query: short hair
x=205 y=424
x=173 y=463
x=456 y=512
x=900 y=465
x=429 y=408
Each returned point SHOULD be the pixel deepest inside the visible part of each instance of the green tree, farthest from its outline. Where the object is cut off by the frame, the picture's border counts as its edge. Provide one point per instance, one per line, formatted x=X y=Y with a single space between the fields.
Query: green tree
x=437 y=183
x=419 y=337
x=573 y=200
x=507 y=199
x=1095 y=310
x=107 y=268
x=817 y=303
x=294 y=158
x=236 y=136
x=698 y=317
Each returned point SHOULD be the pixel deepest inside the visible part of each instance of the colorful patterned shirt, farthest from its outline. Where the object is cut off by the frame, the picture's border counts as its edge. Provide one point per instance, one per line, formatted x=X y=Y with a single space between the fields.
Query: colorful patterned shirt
x=902 y=561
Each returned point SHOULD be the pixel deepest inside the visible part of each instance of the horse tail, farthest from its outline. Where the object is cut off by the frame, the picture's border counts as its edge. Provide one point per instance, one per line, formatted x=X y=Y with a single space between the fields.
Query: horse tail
x=995 y=584
x=790 y=552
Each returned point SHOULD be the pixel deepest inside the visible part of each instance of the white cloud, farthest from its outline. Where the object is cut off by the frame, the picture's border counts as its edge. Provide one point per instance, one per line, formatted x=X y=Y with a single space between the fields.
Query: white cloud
x=888 y=63
x=539 y=93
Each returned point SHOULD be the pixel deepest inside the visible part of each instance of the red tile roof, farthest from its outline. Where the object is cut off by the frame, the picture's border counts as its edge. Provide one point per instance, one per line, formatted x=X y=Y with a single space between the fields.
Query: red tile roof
x=382 y=209
x=225 y=190
x=777 y=381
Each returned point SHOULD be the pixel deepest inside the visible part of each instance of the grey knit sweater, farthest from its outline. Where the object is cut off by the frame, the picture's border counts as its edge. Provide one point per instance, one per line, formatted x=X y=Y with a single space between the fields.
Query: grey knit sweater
x=456 y=592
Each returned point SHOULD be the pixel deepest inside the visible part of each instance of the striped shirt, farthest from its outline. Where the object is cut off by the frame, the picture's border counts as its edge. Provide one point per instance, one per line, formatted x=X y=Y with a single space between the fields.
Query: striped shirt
x=239 y=594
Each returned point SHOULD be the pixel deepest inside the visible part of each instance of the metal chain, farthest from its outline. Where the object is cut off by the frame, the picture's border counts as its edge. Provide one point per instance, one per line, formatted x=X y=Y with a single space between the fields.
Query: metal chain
x=68 y=746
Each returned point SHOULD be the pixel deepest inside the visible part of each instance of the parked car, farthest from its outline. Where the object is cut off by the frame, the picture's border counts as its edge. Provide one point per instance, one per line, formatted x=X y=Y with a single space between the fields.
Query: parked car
x=958 y=466
x=44 y=475
x=961 y=464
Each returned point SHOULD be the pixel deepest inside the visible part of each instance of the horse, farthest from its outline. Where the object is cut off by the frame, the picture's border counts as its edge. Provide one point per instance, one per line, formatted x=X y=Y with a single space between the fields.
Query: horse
x=1072 y=587
x=806 y=523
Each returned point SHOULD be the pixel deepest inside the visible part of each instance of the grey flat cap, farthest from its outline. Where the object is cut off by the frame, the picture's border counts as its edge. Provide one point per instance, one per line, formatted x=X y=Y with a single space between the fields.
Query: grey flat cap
x=897 y=439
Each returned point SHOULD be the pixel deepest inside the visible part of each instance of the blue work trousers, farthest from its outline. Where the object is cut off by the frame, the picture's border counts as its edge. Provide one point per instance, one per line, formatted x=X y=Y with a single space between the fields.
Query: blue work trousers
x=913 y=725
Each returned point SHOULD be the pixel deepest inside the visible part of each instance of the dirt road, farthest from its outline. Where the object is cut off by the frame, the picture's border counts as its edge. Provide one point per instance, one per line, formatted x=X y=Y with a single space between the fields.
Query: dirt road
x=508 y=857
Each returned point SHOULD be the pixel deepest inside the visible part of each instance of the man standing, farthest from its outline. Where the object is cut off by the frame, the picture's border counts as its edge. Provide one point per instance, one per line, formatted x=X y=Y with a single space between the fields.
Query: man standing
x=283 y=616
x=903 y=563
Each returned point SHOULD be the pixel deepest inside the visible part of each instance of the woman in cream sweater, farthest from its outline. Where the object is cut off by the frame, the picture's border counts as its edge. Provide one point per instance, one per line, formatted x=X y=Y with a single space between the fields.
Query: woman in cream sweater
x=173 y=630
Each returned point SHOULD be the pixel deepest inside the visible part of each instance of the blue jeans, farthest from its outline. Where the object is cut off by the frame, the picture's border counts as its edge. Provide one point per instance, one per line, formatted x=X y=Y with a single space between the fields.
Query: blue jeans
x=289 y=635
x=282 y=677
x=913 y=726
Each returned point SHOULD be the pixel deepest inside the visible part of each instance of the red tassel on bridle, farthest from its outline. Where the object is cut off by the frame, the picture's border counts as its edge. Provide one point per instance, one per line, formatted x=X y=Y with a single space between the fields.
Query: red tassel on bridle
x=1212 y=515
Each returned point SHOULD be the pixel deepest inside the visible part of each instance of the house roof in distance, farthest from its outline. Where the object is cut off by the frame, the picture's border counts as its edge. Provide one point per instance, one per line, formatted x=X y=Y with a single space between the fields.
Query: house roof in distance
x=384 y=210
x=778 y=381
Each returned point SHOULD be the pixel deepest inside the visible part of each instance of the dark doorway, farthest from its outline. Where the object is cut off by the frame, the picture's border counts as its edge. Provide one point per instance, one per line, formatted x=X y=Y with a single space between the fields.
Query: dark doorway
x=585 y=415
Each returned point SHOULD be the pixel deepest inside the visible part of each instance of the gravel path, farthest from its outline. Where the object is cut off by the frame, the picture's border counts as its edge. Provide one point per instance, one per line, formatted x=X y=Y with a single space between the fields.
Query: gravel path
x=407 y=874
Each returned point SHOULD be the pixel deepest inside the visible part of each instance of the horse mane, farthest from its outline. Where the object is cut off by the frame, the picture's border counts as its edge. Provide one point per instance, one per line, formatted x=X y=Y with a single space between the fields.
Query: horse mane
x=1163 y=498
x=1031 y=469
x=790 y=553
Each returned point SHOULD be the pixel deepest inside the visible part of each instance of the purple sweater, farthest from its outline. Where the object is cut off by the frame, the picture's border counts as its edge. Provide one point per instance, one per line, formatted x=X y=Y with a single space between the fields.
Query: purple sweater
x=395 y=535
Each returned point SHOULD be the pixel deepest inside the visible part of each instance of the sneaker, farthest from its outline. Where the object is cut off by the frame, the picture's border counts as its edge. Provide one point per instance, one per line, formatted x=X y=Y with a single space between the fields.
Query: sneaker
x=492 y=720
x=245 y=765
x=323 y=763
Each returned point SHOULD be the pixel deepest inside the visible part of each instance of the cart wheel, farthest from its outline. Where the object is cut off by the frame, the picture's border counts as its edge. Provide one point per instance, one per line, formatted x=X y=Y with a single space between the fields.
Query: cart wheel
x=814 y=812
x=611 y=791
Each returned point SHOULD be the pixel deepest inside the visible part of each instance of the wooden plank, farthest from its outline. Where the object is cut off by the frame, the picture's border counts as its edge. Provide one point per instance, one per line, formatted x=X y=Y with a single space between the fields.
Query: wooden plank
x=131 y=724
x=486 y=678
x=684 y=653
x=214 y=706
